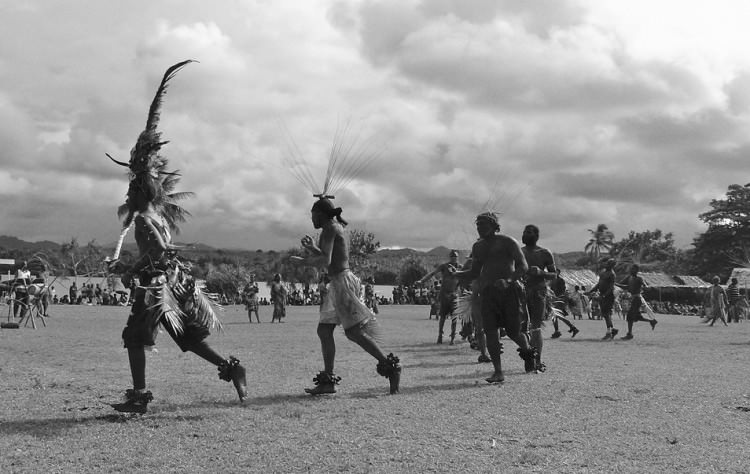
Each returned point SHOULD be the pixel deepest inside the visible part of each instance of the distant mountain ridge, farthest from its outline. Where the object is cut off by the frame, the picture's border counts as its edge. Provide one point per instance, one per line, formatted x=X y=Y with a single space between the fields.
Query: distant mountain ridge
x=14 y=243
x=434 y=256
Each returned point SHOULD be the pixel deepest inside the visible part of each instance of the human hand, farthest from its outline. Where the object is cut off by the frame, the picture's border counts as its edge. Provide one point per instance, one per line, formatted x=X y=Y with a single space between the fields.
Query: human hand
x=307 y=242
x=502 y=283
x=534 y=270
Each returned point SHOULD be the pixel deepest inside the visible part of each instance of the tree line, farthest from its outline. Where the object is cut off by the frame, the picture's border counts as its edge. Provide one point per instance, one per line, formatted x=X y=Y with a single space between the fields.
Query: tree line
x=724 y=245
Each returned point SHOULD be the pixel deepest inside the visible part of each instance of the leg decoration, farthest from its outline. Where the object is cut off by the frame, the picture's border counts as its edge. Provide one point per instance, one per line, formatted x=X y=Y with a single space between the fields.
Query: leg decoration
x=231 y=371
x=529 y=358
x=390 y=368
x=325 y=382
x=135 y=402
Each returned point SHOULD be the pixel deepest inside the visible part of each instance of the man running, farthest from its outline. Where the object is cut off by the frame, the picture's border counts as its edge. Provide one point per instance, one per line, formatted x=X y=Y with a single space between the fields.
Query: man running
x=606 y=288
x=634 y=284
x=541 y=268
x=498 y=264
x=559 y=287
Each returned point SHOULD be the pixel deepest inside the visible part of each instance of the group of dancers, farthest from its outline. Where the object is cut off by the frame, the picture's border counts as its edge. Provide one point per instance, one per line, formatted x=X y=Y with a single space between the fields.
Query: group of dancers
x=508 y=283
x=509 y=291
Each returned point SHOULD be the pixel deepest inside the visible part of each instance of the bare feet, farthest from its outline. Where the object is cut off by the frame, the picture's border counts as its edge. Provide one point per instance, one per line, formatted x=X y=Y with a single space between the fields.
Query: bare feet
x=497 y=377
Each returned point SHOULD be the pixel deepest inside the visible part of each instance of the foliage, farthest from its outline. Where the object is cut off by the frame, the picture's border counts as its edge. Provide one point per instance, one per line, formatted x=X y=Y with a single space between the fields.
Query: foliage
x=601 y=240
x=228 y=280
x=725 y=243
x=77 y=260
x=385 y=277
x=412 y=269
x=652 y=250
x=362 y=245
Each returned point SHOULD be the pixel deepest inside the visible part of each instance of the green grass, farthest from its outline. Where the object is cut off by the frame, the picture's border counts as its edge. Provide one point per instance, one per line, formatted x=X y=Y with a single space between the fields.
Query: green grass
x=672 y=400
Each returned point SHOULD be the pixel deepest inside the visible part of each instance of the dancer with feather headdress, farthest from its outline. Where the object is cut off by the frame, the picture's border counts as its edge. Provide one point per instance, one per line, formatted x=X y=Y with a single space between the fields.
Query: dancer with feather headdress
x=166 y=293
x=343 y=302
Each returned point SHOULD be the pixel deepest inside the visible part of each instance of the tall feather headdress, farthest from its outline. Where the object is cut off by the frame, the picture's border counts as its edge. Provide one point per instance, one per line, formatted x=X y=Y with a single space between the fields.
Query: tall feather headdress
x=148 y=169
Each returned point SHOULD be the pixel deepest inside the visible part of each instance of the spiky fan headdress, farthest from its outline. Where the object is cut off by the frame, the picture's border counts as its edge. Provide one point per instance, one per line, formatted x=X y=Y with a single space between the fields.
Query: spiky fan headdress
x=348 y=158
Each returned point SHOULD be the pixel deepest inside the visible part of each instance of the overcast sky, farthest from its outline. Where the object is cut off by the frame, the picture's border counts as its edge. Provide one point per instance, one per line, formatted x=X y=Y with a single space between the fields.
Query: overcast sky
x=565 y=114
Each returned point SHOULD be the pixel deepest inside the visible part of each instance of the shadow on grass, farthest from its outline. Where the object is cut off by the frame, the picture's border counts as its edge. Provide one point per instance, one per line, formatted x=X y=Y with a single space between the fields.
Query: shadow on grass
x=479 y=375
x=438 y=365
x=430 y=346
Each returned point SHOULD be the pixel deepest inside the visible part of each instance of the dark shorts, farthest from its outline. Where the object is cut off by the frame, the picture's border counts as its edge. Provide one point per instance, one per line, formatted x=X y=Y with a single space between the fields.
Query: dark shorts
x=502 y=309
x=143 y=326
x=536 y=301
x=447 y=304
x=606 y=304
x=634 y=312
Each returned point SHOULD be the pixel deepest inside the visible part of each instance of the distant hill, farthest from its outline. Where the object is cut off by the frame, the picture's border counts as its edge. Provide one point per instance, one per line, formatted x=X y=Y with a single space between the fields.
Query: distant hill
x=14 y=243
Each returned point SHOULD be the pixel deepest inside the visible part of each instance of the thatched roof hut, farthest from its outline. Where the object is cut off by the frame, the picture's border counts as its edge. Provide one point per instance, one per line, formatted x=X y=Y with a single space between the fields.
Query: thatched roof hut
x=582 y=278
x=691 y=281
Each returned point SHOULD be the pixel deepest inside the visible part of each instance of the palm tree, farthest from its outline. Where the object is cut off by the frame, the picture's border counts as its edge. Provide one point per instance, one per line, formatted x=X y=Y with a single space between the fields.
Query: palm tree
x=601 y=239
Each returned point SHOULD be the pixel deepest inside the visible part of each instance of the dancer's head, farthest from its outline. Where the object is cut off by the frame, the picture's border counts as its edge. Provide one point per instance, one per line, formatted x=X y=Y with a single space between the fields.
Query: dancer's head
x=530 y=235
x=487 y=224
x=323 y=211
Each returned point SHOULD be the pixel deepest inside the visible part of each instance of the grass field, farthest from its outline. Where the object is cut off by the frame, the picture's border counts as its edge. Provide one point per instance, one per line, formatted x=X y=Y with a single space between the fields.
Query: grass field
x=673 y=400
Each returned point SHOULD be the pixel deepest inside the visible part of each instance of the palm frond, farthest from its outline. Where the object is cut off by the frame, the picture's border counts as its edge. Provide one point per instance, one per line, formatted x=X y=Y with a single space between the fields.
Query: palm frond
x=162 y=303
x=174 y=215
x=647 y=307
x=205 y=310
x=180 y=196
x=462 y=309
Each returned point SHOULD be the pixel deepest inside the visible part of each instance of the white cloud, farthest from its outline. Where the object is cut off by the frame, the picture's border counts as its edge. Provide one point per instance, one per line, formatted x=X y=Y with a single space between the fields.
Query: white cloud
x=566 y=113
